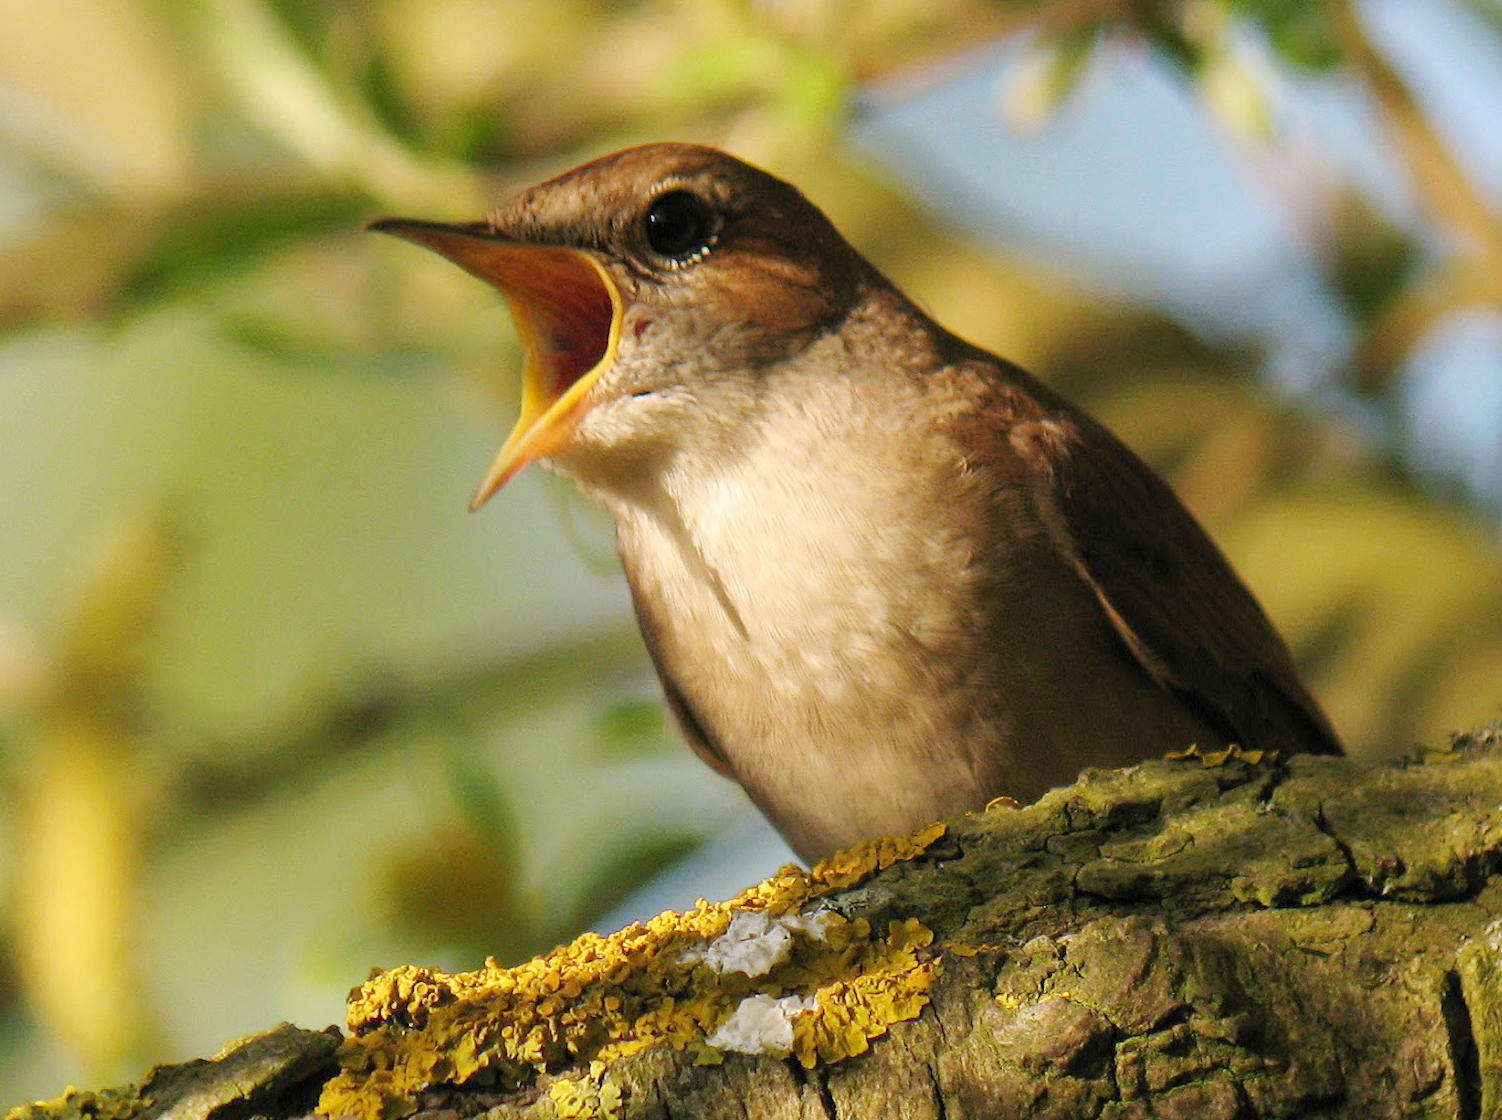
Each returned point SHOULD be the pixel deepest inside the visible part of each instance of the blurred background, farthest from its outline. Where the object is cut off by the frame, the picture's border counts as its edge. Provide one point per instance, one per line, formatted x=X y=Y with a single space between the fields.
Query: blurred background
x=274 y=709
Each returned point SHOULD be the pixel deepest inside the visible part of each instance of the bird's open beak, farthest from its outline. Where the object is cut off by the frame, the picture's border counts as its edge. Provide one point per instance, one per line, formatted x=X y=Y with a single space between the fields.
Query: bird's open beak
x=568 y=315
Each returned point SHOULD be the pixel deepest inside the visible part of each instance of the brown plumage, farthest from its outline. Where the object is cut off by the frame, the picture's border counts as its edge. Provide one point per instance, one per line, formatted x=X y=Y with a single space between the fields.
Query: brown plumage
x=884 y=575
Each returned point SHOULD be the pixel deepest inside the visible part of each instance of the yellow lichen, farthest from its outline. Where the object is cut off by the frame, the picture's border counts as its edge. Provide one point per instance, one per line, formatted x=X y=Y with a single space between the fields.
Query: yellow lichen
x=966 y=949
x=1233 y=752
x=845 y=869
x=886 y=984
x=600 y=998
x=80 y=1104
x=586 y=1099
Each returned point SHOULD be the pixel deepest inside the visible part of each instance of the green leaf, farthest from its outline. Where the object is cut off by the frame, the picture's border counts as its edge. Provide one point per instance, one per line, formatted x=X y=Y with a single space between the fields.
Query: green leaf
x=1299 y=31
x=217 y=237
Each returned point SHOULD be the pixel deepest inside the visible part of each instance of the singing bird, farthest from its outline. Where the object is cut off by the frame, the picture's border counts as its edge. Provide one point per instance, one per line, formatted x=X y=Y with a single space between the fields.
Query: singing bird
x=884 y=575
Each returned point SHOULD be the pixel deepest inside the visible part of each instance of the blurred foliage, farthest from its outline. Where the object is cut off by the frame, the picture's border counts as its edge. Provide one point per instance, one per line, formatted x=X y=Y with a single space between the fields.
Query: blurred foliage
x=79 y=817
x=316 y=720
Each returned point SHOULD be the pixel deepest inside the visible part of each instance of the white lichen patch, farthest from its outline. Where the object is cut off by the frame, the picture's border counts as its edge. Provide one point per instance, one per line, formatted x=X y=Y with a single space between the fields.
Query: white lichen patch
x=756 y=942
x=762 y=1025
x=813 y=922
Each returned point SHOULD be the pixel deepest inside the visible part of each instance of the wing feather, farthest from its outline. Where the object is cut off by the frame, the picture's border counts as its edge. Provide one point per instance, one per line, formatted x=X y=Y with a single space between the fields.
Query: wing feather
x=1169 y=593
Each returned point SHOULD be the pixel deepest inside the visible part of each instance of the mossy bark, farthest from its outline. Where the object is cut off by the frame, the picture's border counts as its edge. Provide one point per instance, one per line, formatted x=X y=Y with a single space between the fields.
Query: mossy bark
x=1315 y=938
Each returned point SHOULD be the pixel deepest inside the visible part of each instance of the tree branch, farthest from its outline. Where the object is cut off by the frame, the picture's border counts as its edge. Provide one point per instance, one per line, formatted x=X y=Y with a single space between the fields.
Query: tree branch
x=1202 y=938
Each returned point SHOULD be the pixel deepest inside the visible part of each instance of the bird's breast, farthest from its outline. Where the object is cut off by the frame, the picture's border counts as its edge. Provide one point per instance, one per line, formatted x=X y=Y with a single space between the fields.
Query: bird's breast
x=819 y=616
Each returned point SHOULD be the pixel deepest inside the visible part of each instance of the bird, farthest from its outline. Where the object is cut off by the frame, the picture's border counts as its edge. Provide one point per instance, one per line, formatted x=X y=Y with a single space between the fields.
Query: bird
x=884 y=575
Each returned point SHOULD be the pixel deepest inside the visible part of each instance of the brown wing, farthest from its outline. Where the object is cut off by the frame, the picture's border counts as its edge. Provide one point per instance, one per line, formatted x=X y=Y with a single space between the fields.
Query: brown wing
x=1167 y=590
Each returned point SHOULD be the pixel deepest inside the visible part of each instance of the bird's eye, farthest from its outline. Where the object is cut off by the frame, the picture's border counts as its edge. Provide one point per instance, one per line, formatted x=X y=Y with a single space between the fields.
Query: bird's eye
x=681 y=226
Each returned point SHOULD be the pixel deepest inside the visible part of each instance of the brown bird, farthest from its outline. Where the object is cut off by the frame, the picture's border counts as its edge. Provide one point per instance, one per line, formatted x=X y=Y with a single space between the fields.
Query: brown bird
x=885 y=576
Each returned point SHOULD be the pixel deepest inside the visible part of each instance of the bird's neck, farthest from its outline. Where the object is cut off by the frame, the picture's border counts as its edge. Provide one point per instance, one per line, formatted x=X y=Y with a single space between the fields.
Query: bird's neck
x=819 y=470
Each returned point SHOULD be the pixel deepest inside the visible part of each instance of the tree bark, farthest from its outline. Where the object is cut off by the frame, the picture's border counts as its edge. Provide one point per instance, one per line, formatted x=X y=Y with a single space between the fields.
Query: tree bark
x=1202 y=938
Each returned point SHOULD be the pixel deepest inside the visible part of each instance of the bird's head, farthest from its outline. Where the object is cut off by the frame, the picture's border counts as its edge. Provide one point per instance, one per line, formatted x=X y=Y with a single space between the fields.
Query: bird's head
x=651 y=289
